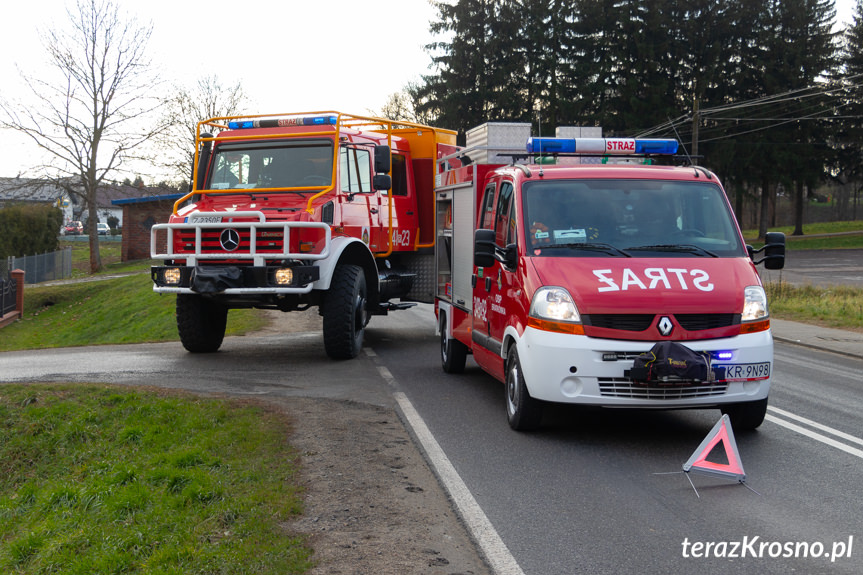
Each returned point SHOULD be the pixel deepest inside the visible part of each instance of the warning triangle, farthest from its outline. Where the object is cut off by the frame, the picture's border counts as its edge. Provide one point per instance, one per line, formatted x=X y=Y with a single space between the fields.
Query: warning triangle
x=698 y=462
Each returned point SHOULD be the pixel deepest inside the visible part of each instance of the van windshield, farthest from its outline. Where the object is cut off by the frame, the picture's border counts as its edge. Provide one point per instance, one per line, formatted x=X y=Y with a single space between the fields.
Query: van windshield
x=632 y=218
x=272 y=164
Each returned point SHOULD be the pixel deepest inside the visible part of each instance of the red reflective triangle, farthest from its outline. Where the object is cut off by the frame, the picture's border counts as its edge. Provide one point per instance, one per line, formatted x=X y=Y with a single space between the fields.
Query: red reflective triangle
x=698 y=461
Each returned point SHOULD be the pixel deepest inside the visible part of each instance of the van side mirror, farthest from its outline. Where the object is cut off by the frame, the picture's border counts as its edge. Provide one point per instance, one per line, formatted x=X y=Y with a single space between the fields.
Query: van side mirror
x=382 y=159
x=774 y=251
x=483 y=248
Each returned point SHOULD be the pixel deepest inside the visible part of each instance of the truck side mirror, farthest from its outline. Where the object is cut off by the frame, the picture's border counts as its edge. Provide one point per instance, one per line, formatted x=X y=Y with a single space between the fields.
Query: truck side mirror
x=774 y=251
x=483 y=248
x=382 y=182
x=382 y=159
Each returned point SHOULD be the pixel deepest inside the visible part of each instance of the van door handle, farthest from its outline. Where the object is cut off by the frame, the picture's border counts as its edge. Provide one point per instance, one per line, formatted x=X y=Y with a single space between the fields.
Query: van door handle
x=373 y=210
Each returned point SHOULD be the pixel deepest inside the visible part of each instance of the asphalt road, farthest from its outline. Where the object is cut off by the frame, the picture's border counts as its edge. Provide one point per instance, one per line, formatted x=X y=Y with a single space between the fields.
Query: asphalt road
x=593 y=491
x=819 y=267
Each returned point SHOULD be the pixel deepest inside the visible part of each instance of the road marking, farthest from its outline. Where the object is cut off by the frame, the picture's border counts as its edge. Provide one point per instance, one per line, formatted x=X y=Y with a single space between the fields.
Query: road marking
x=487 y=538
x=817 y=436
x=816 y=425
x=495 y=550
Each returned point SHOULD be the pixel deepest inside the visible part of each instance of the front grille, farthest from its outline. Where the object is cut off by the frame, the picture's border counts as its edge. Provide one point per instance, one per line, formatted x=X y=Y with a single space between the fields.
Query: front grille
x=641 y=321
x=624 y=388
x=621 y=321
x=267 y=241
x=700 y=321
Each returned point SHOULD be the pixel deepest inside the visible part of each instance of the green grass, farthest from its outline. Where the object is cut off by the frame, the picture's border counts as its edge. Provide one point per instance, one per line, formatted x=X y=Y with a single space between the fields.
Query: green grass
x=100 y=479
x=111 y=311
x=839 y=306
x=804 y=243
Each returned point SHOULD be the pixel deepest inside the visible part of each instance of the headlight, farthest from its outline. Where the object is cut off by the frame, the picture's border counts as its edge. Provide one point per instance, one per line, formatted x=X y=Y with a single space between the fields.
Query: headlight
x=172 y=276
x=554 y=303
x=755 y=304
x=284 y=276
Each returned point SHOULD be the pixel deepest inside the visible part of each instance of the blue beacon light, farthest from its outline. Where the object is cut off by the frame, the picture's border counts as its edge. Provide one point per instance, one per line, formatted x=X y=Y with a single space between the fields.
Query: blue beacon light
x=601 y=146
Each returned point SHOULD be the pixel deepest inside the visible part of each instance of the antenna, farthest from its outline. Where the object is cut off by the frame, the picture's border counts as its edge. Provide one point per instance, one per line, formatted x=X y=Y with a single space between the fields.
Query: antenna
x=682 y=145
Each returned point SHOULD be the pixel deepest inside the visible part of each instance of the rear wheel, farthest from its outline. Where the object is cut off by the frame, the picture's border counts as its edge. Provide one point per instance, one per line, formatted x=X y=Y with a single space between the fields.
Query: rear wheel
x=201 y=323
x=453 y=353
x=746 y=416
x=523 y=412
x=344 y=311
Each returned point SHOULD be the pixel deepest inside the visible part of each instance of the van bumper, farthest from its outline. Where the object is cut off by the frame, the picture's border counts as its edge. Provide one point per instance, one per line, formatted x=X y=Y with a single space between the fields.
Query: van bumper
x=584 y=370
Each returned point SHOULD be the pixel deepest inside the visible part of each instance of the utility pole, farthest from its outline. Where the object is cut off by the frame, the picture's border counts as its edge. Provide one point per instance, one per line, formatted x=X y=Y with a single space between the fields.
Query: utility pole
x=696 y=120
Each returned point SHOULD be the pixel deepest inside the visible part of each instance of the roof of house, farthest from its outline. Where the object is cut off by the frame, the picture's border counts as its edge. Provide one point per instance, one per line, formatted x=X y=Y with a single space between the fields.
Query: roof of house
x=37 y=190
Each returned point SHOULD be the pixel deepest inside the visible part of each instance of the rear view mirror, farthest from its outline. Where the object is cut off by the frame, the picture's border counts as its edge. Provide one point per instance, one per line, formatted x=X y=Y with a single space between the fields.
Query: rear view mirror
x=774 y=251
x=382 y=159
x=483 y=251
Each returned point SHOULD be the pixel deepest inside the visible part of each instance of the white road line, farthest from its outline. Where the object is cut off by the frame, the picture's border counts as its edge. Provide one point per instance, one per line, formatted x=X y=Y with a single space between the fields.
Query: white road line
x=817 y=436
x=816 y=425
x=495 y=550
x=491 y=545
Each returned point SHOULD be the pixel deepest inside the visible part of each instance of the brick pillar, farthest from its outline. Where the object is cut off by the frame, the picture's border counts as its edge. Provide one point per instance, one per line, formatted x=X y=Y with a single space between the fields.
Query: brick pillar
x=18 y=276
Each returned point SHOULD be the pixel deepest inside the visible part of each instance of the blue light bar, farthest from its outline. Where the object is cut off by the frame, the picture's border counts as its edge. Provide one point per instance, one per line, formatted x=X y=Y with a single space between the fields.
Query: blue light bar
x=284 y=122
x=601 y=146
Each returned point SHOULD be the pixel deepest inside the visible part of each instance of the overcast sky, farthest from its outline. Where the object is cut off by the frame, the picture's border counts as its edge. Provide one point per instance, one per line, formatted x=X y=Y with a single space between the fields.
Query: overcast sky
x=290 y=55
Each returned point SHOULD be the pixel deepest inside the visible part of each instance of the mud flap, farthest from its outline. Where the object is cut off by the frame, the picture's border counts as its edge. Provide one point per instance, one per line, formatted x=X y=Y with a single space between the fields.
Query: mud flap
x=215 y=279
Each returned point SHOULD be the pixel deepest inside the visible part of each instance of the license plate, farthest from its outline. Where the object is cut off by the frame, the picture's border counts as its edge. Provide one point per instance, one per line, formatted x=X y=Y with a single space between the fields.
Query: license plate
x=745 y=371
x=205 y=219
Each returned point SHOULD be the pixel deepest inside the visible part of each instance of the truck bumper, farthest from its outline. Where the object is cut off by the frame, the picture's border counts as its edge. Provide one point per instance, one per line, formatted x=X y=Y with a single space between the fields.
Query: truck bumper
x=232 y=280
x=583 y=370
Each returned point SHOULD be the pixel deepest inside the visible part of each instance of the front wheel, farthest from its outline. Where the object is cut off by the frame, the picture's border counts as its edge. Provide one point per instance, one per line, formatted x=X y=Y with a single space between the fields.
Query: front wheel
x=746 y=416
x=201 y=323
x=523 y=412
x=344 y=311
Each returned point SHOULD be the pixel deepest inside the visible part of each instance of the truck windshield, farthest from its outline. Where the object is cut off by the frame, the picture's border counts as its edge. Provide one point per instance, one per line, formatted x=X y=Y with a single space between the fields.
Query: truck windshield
x=631 y=218
x=272 y=164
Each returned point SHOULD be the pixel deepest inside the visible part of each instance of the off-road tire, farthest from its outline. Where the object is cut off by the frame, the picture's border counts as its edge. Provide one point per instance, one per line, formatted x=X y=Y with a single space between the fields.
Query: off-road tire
x=453 y=353
x=523 y=412
x=746 y=416
x=345 y=314
x=201 y=323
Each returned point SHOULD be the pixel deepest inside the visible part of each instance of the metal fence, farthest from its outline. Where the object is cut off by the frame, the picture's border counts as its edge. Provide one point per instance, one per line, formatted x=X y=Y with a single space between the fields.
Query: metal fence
x=8 y=294
x=40 y=268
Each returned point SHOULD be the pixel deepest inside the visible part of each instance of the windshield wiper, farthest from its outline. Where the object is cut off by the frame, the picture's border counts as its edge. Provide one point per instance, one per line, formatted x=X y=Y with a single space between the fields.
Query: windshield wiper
x=684 y=248
x=596 y=247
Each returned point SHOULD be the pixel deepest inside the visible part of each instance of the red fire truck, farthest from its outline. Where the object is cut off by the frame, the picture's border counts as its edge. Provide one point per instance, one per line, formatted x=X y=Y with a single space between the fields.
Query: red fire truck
x=559 y=274
x=292 y=211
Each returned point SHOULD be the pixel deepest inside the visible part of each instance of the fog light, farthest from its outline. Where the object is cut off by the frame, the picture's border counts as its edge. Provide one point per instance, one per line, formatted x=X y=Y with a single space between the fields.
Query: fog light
x=284 y=276
x=172 y=276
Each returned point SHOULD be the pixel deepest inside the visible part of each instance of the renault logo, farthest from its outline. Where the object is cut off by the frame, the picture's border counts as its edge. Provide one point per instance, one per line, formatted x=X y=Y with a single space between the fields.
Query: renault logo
x=230 y=239
x=665 y=326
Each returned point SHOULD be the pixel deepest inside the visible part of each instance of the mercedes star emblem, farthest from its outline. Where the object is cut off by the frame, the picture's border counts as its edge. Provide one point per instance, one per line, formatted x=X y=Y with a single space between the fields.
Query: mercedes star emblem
x=230 y=239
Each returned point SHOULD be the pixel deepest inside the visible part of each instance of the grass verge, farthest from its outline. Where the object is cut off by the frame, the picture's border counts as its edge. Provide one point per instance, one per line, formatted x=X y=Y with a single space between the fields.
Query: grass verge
x=101 y=479
x=109 y=311
x=854 y=241
x=837 y=306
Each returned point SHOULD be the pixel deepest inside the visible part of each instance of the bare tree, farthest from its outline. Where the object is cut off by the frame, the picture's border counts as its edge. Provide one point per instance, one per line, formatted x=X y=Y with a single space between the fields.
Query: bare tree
x=182 y=112
x=88 y=116
x=403 y=106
